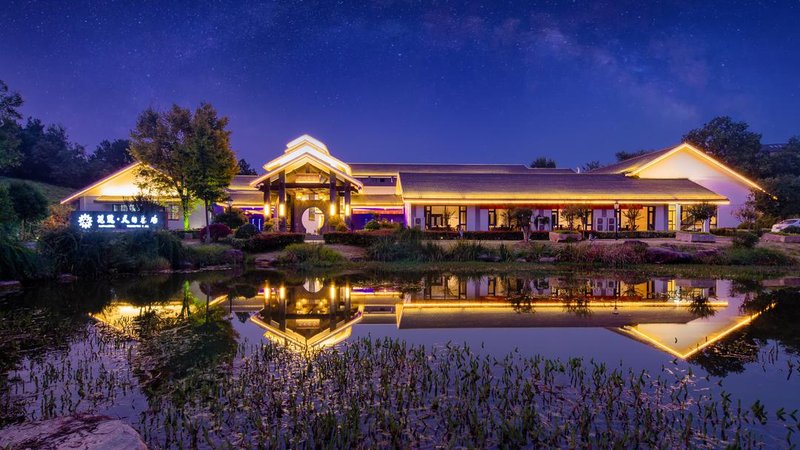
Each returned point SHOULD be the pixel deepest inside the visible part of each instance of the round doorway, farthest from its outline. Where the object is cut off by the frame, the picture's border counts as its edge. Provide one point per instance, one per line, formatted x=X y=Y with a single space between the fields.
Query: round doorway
x=312 y=220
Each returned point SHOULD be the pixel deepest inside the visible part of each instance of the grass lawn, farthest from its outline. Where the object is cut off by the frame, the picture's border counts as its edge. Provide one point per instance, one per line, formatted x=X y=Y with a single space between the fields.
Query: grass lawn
x=53 y=193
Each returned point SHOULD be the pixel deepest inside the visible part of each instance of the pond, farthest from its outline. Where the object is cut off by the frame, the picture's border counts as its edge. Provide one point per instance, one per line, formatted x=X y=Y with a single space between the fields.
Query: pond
x=142 y=349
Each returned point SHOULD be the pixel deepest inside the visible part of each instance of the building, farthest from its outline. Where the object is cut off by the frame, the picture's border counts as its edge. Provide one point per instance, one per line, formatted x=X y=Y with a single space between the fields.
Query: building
x=303 y=188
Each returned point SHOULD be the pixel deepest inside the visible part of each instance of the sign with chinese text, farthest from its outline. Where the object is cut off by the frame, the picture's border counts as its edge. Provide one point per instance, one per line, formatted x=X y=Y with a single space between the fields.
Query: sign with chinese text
x=117 y=220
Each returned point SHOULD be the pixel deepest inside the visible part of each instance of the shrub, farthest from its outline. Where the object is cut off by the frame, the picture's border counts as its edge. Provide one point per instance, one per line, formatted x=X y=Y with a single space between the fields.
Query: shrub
x=617 y=255
x=468 y=251
x=233 y=218
x=94 y=254
x=791 y=230
x=739 y=256
x=404 y=244
x=745 y=239
x=372 y=225
x=724 y=231
x=16 y=261
x=309 y=255
x=246 y=231
x=207 y=255
x=266 y=242
x=534 y=251
x=218 y=231
x=633 y=234
x=357 y=238
x=337 y=223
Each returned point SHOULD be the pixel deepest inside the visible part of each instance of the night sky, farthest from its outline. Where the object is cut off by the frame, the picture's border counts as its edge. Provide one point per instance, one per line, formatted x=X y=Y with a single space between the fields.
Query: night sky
x=404 y=81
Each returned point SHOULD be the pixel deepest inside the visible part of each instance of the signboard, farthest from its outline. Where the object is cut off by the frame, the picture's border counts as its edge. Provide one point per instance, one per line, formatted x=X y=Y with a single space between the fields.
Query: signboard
x=117 y=220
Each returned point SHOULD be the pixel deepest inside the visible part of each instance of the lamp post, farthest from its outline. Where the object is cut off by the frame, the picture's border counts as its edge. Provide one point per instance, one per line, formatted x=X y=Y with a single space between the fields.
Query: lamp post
x=616 y=220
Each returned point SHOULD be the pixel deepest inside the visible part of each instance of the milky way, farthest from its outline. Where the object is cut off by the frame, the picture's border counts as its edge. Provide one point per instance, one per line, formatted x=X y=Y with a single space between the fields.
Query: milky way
x=413 y=81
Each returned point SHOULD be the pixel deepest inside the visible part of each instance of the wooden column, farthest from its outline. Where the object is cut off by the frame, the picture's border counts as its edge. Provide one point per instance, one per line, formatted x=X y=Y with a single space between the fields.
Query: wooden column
x=282 y=201
x=267 y=198
x=333 y=208
x=348 y=212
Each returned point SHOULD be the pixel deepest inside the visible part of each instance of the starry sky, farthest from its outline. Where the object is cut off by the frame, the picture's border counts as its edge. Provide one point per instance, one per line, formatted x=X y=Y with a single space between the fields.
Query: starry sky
x=413 y=81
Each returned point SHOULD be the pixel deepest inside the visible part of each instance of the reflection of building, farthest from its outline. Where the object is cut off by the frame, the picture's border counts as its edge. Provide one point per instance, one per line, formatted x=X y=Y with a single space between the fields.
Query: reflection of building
x=676 y=316
x=305 y=186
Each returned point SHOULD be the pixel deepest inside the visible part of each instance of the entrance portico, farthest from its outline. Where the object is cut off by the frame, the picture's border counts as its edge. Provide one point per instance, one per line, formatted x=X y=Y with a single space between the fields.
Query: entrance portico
x=306 y=187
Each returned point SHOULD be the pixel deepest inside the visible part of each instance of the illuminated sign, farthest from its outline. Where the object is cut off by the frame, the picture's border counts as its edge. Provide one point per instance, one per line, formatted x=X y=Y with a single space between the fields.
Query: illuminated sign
x=116 y=220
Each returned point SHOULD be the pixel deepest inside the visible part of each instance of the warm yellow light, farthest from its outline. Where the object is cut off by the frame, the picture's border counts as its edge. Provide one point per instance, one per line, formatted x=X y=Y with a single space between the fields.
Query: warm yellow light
x=281 y=209
x=333 y=291
x=266 y=210
x=333 y=209
x=347 y=210
x=282 y=293
x=266 y=291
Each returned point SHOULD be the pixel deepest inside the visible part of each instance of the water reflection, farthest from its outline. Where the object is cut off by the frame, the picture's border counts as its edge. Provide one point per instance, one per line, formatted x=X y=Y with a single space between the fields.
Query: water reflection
x=681 y=317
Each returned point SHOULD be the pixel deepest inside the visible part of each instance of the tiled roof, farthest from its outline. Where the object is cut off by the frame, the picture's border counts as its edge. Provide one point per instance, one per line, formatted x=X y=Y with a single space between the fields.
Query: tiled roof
x=549 y=187
x=631 y=164
x=376 y=169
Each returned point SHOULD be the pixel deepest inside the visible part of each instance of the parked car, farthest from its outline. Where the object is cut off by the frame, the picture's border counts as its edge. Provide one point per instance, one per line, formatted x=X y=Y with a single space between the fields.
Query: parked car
x=780 y=226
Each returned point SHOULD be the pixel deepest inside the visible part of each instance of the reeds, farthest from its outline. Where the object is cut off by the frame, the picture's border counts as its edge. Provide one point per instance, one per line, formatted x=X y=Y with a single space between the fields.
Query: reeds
x=385 y=393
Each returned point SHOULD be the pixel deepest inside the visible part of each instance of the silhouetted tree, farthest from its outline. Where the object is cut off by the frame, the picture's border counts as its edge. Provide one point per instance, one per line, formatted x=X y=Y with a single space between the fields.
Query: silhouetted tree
x=543 y=163
x=245 y=168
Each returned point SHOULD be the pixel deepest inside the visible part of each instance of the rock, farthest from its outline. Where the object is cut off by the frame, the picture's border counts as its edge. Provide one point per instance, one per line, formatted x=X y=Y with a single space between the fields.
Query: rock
x=488 y=258
x=82 y=432
x=547 y=259
x=661 y=255
x=67 y=278
x=264 y=261
x=10 y=286
x=234 y=256
x=186 y=265
x=521 y=260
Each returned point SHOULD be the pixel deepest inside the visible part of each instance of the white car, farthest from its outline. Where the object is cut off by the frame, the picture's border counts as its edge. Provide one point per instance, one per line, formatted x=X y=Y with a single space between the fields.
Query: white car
x=780 y=226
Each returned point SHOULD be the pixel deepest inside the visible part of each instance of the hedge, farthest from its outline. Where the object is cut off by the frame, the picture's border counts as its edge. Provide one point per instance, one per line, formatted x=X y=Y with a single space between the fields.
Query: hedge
x=265 y=242
x=367 y=238
x=632 y=234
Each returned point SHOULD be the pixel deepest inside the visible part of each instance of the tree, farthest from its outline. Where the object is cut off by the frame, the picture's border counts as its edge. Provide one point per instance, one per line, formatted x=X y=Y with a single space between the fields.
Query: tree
x=9 y=128
x=109 y=156
x=591 y=165
x=162 y=142
x=571 y=213
x=47 y=155
x=245 y=168
x=543 y=163
x=215 y=163
x=29 y=204
x=782 y=199
x=748 y=213
x=632 y=214
x=521 y=217
x=729 y=141
x=623 y=155
x=701 y=212
x=785 y=161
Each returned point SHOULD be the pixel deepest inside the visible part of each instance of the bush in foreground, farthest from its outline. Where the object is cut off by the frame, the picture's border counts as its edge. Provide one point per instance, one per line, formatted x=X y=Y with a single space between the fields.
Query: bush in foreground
x=266 y=242
x=315 y=255
x=93 y=254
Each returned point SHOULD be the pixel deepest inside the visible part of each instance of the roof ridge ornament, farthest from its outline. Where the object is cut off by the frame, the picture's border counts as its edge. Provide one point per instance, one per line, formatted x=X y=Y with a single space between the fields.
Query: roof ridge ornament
x=309 y=140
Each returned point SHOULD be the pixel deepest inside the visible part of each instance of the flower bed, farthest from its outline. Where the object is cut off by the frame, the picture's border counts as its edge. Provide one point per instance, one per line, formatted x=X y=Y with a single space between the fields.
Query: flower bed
x=633 y=234
x=265 y=242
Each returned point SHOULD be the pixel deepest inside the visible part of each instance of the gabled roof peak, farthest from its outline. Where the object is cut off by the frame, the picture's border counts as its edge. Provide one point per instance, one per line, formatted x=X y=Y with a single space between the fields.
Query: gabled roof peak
x=306 y=140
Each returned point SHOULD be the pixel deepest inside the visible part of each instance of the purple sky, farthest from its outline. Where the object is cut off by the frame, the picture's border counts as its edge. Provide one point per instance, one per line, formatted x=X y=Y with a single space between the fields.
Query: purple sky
x=413 y=81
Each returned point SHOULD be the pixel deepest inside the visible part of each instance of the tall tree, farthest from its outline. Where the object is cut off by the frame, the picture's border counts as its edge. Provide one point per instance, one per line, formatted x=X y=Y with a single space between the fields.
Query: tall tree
x=215 y=163
x=623 y=155
x=47 y=155
x=109 y=156
x=543 y=163
x=30 y=205
x=162 y=142
x=245 y=168
x=9 y=128
x=730 y=141
x=591 y=165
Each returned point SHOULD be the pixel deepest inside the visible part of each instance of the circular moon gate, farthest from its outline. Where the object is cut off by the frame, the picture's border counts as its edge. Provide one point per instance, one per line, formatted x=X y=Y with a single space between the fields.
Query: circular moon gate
x=312 y=219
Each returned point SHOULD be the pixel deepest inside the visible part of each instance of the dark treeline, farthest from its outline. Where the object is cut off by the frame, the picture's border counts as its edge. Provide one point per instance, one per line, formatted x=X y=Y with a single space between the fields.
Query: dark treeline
x=37 y=151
